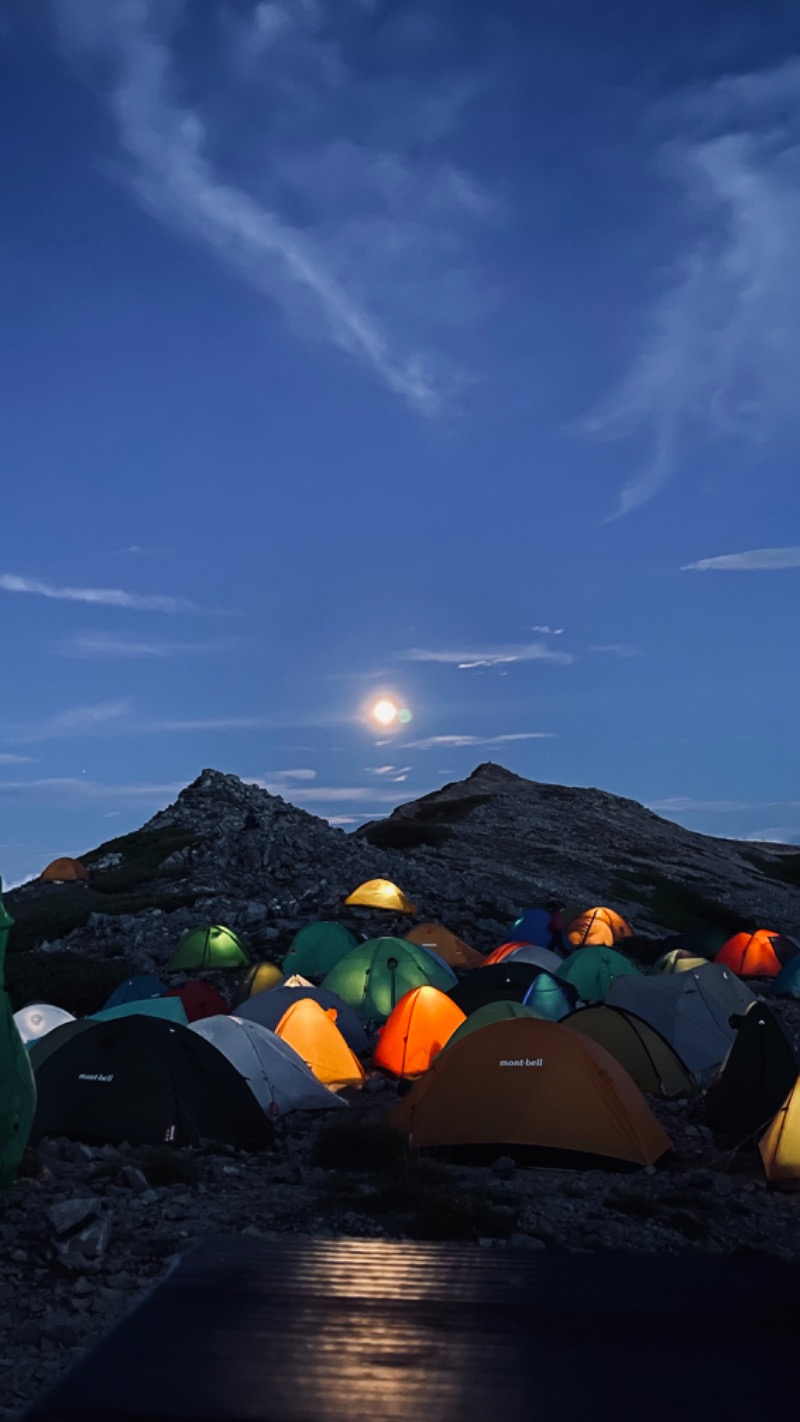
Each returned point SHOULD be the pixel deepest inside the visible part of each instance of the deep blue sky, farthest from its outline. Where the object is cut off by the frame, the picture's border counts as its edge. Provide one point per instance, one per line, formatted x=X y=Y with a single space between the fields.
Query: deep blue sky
x=346 y=342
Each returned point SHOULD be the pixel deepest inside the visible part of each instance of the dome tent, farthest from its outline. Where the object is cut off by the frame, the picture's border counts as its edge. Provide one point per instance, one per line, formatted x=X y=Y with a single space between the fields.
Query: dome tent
x=145 y=1081
x=523 y=1082
x=267 y=1009
x=502 y=982
x=382 y=894
x=677 y=960
x=260 y=977
x=527 y=953
x=317 y=948
x=757 y=955
x=592 y=970
x=313 y=1034
x=170 y=1008
x=449 y=947
x=210 y=946
x=375 y=975
x=137 y=989
x=598 y=927
x=535 y=925
x=787 y=983
x=277 y=1076
x=63 y=871
x=691 y=1010
x=703 y=942
x=199 y=1000
x=549 y=998
x=419 y=1026
x=484 y=1017
x=780 y=1144
x=38 y=1018
x=17 y=1086
x=648 y=1059
x=756 y=1077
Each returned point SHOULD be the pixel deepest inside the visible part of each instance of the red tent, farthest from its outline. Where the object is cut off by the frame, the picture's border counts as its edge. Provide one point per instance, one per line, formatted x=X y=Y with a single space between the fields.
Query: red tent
x=199 y=1000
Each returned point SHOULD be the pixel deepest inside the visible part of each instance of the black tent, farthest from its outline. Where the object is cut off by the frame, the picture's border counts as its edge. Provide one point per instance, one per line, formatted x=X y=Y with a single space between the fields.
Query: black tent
x=147 y=1081
x=499 y=982
x=756 y=1077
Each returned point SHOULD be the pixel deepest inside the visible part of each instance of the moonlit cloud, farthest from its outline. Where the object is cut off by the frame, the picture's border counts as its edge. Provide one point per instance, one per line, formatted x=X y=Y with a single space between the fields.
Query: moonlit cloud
x=757 y=560
x=76 y=721
x=7 y=759
x=100 y=597
x=91 y=645
x=291 y=775
x=616 y=649
x=549 y=631
x=674 y=804
x=459 y=742
x=79 y=789
x=492 y=657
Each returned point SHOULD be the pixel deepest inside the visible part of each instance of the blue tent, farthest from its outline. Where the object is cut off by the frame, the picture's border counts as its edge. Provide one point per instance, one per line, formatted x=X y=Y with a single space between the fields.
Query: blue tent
x=549 y=998
x=137 y=989
x=535 y=926
x=170 y=1008
x=787 y=983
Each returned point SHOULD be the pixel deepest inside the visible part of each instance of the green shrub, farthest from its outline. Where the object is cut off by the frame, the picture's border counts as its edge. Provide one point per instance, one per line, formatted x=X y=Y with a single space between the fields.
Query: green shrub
x=78 y=984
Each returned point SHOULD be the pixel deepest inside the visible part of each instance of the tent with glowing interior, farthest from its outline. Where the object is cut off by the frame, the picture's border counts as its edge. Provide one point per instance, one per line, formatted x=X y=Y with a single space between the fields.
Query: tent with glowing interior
x=209 y=946
x=317 y=948
x=677 y=960
x=599 y=927
x=381 y=894
x=449 y=947
x=17 y=1087
x=374 y=975
x=267 y=1009
x=638 y=1047
x=314 y=1035
x=277 y=1075
x=758 y=955
x=756 y=1077
x=63 y=871
x=549 y=998
x=692 y=1011
x=519 y=952
x=259 y=977
x=780 y=1144
x=523 y=1082
x=592 y=970
x=422 y=1022
x=39 y=1018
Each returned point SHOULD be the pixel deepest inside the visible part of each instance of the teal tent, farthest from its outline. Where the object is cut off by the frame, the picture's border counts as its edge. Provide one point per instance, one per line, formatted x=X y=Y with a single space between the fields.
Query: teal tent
x=170 y=1008
x=592 y=970
x=17 y=1087
x=550 y=999
x=787 y=983
x=317 y=948
x=210 y=946
x=374 y=975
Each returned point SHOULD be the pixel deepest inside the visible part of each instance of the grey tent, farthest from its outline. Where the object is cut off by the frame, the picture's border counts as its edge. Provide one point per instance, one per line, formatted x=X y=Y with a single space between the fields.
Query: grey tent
x=692 y=1011
x=267 y=1009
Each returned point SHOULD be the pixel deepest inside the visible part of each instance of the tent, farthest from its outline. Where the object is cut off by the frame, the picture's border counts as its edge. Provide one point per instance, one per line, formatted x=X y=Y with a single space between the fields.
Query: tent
x=17 y=1088
x=278 y=1078
x=601 y=927
x=502 y=982
x=39 y=1018
x=787 y=983
x=535 y=925
x=317 y=948
x=382 y=894
x=375 y=975
x=691 y=1010
x=316 y=1038
x=416 y=1030
x=260 y=977
x=145 y=1081
x=268 y=1008
x=63 y=871
x=137 y=989
x=169 y=1007
x=210 y=946
x=704 y=942
x=549 y=998
x=780 y=1143
x=484 y=1017
x=529 y=953
x=591 y=971
x=523 y=1082
x=757 y=1076
x=757 y=955
x=677 y=960
x=637 y=1046
x=295 y=980
x=449 y=947
x=199 y=1000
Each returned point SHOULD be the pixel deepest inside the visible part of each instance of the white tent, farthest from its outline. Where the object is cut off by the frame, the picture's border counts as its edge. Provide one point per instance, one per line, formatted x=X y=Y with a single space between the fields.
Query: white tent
x=275 y=1073
x=295 y=980
x=540 y=957
x=691 y=1010
x=267 y=1009
x=39 y=1018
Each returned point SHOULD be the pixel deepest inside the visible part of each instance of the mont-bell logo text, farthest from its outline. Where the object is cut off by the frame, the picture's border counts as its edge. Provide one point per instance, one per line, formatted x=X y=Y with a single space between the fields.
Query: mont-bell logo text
x=523 y=1062
x=95 y=1076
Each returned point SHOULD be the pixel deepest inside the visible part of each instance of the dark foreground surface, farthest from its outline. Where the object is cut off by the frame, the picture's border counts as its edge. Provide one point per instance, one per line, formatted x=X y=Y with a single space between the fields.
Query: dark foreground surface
x=317 y=1329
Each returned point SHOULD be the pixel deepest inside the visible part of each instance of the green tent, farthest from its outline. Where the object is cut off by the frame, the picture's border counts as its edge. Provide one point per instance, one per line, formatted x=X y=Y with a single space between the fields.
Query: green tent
x=592 y=970
x=210 y=946
x=485 y=1016
x=759 y=1072
x=170 y=1008
x=17 y=1086
x=374 y=975
x=317 y=948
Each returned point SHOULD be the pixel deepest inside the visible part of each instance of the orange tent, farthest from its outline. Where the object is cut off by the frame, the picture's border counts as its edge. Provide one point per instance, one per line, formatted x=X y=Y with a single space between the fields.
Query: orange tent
x=453 y=949
x=421 y=1023
x=780 y=1143
x=526 y=1082
x=498 y=954
x=62 y=871
x=383 y=894
x=598 y=927
x=315 y=1037
x=752 y=955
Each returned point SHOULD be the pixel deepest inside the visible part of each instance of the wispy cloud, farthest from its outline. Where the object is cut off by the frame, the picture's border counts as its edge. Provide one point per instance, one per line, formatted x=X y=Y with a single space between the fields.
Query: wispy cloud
x=290 y=775
x=376 y=226
x=457 y=742
x=100 y=597
x=327 y=794
x=396 y=773
x=676 y=804
x=549 y=631
x=7 y=759
x=757 y=560
x=487 y=657
x=617 y=649
x=75 y=721
x=77 y=789
x=90 y=645
x=722 y=351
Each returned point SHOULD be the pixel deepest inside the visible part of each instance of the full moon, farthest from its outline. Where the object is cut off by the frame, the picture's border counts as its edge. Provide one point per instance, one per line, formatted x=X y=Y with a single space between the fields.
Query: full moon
x=384 y=712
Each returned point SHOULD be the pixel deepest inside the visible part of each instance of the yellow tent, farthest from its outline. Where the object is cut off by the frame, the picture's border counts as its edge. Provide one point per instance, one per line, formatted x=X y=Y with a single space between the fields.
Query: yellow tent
x=601 y=927
x=315 y=1037
x=780 y=1143
x=381 y=893
x=453 y=949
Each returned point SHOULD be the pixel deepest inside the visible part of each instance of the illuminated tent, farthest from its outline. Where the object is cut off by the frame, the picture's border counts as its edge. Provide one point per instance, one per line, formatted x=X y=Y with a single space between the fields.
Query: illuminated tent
x=294 y=980
x=317 y=948
x=677 y=961
x=757 y=1076
x=268 y=1008
x=691 y=1010
x=145 y=1081
x=757 y=955
x=260 y=977
x=449 y=947
x=525 y=953
x=383 y=894
x=523 y=1082
x=638 y=1047
x=502 y=982
x=780 y=1144
x=416 y=1030
x=591 y=971
x=17 y=1088
x=137 y=989
x=63 y=871
x=601 y=927
x=210 y=946
x=549 y=998
x=314 y=1035
x=169 y=1007
x=39 y=1018
x=374 y=975
x=499 y=1011
x=199 y=1000
x=277 y=1076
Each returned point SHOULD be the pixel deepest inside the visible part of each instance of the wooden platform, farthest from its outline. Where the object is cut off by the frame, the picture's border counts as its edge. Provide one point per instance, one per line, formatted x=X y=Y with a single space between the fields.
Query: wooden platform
x=310 y=1330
